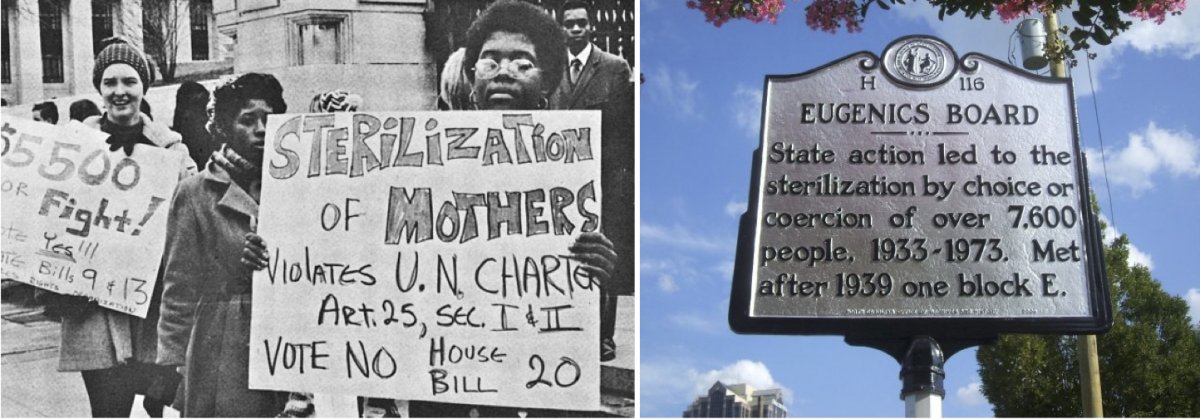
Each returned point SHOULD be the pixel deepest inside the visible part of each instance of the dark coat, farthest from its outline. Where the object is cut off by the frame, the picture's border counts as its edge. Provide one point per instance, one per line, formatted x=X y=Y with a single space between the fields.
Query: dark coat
x=97 y=338
x=603 y=80
x=605 y=85
x=205 y=320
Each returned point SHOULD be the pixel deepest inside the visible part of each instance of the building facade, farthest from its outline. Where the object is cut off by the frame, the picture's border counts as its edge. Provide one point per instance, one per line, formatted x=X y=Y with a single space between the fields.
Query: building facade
x=375 y=48
x=390 y=52
x=49 y=45
x=737 y=401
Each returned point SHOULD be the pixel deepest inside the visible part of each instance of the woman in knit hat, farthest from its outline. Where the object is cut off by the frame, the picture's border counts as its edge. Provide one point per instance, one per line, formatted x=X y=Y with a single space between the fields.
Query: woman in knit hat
x=115 y=351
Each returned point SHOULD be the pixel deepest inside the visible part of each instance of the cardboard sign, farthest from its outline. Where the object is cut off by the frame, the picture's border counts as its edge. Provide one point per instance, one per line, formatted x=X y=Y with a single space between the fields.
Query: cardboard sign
x=918 y=193
x=424 y=256
x=79 y=219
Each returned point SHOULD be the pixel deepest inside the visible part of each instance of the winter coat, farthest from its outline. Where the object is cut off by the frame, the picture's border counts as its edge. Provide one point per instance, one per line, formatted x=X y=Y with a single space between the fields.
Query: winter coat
x=205 y=320
x=97 y=338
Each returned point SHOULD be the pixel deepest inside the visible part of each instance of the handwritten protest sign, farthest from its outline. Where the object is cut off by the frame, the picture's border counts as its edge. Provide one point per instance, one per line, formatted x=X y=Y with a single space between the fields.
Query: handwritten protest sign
x=424 y=256
x=81 y=220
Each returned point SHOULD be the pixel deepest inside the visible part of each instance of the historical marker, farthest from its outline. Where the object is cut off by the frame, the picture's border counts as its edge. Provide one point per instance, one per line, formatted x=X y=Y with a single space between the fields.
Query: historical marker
x=919 y=193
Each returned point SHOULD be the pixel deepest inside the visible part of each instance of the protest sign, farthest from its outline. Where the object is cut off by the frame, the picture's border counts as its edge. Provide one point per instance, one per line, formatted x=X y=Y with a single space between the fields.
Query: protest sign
x=424 y=256
x=79 y=219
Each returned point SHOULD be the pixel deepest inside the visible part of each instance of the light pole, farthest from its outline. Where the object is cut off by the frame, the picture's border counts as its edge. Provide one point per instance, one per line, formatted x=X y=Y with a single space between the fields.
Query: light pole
x=1089 y=361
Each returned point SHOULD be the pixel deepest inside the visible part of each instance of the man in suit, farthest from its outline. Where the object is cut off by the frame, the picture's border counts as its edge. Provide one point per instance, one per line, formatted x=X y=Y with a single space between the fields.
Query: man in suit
x=597 y=80
x=593 y=78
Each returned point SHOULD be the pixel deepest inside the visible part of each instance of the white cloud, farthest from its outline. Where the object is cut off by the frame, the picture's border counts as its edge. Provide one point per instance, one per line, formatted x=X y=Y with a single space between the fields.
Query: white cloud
x=743 y=371
x=1193 y=300
x=696 y=322
x=676 y=90
x=1136 y=256
x=670 y=384
x=662 y=387
x=735 y=209
x=747 y=109
x=681 y=271
x=1147 y=153
x=666 y=283
x=1178 y=35
x=970 y=394
x=680 y=237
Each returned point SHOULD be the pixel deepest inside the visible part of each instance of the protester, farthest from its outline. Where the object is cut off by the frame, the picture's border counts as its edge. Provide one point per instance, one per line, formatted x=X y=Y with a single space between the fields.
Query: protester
x=516 y=52
x=595 y=79
x=515 y=55
x=46 y=112
x=115 y=351
x=190 y=118
x=205 y=323
x=82 y=109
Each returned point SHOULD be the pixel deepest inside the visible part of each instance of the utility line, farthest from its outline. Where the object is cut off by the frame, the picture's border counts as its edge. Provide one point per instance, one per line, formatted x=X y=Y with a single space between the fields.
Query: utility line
x=1112 y=209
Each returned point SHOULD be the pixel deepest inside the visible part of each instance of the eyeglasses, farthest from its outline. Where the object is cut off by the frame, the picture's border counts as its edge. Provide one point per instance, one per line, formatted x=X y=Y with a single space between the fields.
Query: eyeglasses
x=520 y=68
x=571 y=23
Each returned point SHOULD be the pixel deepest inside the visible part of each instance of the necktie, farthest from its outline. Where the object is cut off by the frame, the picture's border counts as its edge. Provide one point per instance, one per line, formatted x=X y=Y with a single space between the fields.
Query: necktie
x=576 y=65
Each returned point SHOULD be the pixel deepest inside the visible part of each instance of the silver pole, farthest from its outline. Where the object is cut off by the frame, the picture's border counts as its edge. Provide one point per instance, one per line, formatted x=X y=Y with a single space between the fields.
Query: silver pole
x=922 y=374
x=923 y=404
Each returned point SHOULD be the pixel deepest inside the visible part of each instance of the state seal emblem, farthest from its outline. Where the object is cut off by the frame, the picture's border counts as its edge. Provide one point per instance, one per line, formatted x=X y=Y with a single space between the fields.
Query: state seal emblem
x=919 y=61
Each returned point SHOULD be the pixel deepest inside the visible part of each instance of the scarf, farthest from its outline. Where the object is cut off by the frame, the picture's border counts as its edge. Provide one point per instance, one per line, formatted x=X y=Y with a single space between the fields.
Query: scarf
x=243 y=172
x=124 y=137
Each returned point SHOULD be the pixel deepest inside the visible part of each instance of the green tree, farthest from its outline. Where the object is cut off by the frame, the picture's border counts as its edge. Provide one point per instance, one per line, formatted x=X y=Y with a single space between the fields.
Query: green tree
x=1149 y=361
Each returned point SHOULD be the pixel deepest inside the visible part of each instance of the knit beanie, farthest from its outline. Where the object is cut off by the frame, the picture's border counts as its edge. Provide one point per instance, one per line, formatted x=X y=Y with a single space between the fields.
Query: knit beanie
x=335 y=101
x=119 y=51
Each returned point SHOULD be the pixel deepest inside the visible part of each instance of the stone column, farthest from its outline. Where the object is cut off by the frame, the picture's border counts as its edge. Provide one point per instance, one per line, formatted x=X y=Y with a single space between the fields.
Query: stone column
x=129 y=22
x=79 y=46
x=27 y=68
x=183 y=34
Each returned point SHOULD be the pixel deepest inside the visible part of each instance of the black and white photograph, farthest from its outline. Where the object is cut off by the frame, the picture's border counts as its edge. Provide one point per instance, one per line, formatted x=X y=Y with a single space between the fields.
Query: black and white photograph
x=302 y=208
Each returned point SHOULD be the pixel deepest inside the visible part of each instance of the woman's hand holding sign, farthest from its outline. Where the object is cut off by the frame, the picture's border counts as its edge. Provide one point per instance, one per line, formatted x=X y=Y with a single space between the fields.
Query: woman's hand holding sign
x=596 y=252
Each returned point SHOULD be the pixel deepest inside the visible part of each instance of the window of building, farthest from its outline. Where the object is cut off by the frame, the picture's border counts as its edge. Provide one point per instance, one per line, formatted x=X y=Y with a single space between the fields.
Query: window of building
x=102 y=23
x=6 y=47
x=200 y=11
x=51 y=21
x=319 y=39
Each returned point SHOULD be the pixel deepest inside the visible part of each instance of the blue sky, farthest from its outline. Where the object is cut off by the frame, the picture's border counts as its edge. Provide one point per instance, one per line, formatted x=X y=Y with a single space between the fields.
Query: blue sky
x=699 y=125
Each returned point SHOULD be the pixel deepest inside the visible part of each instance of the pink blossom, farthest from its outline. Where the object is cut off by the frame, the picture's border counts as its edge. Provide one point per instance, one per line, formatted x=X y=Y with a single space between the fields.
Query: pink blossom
x=718 y=12
x=1011 y=10
x=828 y=15
x=1158 y=10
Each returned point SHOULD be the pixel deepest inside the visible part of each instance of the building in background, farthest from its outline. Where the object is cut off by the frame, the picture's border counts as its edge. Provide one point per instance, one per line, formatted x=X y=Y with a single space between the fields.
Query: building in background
x=737 y=401
x=375 y=48
x=49 y=45
x=390 y=52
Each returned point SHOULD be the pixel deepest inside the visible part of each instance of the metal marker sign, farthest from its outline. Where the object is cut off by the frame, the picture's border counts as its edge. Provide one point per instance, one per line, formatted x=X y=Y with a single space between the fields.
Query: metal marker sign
x=918 y=192
x=79 y=219
x=424 y=256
